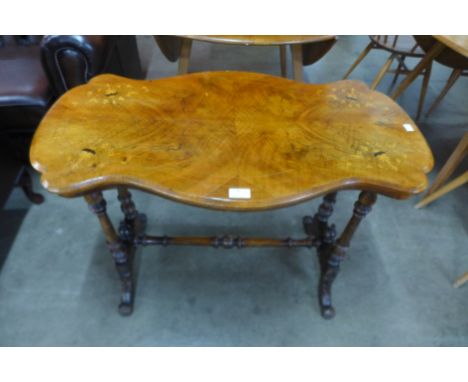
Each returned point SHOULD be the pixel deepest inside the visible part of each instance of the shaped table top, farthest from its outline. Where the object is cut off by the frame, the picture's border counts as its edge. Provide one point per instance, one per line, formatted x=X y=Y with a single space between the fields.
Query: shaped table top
x=229 y=140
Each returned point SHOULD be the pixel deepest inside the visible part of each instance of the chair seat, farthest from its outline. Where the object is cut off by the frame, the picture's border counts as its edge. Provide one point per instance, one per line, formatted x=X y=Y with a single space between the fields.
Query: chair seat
x=25 y=94
x=404 y=45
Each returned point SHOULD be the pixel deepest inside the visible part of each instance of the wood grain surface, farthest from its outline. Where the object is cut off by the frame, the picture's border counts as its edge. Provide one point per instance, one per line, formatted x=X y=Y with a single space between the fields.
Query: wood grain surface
x=193 y=138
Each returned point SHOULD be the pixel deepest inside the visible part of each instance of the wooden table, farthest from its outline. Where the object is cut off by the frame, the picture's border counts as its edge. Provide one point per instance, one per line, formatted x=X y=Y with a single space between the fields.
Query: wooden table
x=229 y=141
x=294 y=41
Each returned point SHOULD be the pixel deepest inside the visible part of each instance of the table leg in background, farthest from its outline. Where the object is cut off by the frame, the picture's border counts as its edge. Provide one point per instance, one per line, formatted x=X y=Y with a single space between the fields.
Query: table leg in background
x=283 y=62
x=184 y=58
x=298 y=73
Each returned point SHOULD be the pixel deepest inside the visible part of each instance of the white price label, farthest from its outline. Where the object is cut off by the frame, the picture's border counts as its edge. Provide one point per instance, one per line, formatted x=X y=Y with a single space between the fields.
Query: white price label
x=239 y=193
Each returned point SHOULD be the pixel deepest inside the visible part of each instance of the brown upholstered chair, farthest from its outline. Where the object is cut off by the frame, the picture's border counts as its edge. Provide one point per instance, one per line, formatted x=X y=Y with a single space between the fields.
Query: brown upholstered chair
x=34 y=72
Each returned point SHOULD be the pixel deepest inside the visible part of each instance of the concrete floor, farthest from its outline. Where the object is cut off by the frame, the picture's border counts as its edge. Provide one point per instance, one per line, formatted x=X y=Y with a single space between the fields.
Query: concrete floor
x=58 y=285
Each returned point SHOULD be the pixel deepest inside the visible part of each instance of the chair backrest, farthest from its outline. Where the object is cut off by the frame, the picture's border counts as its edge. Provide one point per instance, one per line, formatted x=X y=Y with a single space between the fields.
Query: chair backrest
x=447 y=57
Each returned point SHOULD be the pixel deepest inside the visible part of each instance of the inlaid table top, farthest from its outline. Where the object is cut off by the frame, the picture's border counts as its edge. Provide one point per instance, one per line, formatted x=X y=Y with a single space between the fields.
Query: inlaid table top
x=229 y=140
x=260 y=39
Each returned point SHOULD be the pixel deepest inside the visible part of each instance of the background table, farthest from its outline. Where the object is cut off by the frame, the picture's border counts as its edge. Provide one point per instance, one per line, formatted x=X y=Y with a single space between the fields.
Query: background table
x=296 y=43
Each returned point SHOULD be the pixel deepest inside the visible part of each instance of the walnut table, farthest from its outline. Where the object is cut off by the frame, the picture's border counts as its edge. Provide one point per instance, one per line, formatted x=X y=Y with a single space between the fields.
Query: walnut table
x=230 y=141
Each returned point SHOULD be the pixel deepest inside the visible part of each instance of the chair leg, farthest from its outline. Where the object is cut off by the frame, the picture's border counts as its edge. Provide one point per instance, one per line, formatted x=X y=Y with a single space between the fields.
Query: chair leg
x=449 y=167
x=184 y=56
x=457 y=182
x=425 y=83
x=398 y=71
x=382 y=72
x=283 y=62
x=433 y=52
x=24 y=181
x=452 y=79
x=460 y=281
x=359 y=59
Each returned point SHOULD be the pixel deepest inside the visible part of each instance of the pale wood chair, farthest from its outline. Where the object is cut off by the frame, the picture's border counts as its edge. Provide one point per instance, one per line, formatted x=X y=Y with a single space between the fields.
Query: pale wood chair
x=399 y=47
x=436 y=191
x=448 y=57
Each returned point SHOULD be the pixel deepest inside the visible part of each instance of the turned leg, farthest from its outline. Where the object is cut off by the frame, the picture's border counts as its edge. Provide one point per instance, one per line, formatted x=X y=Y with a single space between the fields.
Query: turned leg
x=118 y=249
x=337 y=251
x=134 y=222
x=317 y=226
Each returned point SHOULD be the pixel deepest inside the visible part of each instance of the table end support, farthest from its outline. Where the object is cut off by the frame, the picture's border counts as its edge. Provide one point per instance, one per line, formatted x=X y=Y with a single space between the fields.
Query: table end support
x=119 y=250
x=331 y=254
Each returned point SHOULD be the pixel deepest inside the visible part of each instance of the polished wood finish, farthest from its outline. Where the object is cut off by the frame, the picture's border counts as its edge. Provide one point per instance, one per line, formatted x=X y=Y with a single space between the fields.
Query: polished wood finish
x=196 y=138
x=436 y=191
x=192 y=138
x=226 y=241
x=260 y=39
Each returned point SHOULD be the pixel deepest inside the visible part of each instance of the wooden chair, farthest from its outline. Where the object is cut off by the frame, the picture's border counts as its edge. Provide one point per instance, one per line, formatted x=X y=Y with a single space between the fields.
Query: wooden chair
x=399 y=47
x=436 y=191
x=449 y=58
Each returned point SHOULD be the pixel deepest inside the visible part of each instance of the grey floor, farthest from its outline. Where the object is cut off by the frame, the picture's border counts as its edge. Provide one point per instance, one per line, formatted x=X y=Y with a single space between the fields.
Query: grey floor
x=58 y=285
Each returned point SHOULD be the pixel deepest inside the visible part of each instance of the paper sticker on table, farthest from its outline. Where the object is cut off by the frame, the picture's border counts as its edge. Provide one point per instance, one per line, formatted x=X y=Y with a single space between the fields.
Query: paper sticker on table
x=239 y=193
x=408 y=127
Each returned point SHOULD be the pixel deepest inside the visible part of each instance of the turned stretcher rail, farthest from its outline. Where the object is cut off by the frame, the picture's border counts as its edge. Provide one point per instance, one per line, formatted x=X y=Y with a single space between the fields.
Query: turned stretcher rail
x=226 y=241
